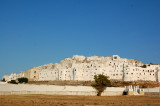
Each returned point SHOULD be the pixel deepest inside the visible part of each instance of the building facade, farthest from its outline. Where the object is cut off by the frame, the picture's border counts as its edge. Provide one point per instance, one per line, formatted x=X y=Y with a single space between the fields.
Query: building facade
x=84 y=68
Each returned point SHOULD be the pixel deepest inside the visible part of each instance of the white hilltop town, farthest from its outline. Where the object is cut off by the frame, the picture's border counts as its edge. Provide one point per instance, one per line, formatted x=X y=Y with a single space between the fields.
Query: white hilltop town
x=80 y=68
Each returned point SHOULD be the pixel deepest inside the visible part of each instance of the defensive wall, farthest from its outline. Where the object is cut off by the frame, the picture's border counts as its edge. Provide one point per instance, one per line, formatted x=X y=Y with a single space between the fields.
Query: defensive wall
x=17 y=89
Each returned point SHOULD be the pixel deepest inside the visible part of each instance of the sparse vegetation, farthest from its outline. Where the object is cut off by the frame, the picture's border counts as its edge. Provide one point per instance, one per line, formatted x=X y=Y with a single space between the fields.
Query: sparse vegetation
x=36 y=100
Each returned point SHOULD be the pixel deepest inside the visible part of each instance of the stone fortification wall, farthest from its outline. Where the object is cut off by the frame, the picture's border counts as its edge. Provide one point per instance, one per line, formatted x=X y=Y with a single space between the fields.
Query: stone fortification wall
x=11 y=89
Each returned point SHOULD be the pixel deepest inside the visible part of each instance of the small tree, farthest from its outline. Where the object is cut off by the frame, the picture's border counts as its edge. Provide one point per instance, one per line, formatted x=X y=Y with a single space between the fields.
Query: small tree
x=101 y=82
x=23 y=80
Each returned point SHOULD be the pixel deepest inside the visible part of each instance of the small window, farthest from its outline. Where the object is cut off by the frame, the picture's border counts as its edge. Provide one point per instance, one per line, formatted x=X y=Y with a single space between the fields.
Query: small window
x=115 y=57
x=34 y=71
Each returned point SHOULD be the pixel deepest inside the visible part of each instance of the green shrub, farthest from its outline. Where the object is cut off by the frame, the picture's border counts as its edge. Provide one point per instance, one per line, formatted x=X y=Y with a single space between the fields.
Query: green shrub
x=3 y=80
x=13 y=82
x=23 y=80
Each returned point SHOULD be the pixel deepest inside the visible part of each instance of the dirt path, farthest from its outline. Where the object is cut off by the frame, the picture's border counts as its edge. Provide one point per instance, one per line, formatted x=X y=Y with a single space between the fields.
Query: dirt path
x=53 y=100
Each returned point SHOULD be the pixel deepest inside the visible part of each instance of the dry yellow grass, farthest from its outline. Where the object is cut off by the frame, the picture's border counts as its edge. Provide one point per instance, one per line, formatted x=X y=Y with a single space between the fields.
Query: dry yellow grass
x=57 y=100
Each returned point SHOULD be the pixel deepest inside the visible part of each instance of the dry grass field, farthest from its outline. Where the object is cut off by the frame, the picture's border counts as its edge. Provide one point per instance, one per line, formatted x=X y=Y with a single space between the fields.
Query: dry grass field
x=57 y=100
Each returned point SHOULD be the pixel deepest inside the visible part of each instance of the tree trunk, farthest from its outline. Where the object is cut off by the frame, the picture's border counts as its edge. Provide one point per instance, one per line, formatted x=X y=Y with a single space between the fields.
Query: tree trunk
x=99 y=93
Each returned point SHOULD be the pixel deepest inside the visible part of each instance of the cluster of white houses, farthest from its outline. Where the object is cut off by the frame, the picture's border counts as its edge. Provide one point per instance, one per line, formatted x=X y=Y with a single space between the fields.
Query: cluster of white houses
x=84 y=68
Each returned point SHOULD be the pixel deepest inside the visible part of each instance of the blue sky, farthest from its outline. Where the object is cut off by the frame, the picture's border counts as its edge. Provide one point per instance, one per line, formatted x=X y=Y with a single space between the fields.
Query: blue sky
x=37 y=32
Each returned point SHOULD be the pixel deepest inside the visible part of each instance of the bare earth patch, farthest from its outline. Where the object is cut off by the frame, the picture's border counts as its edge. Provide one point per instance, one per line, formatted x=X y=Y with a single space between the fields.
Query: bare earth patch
x=60 y=100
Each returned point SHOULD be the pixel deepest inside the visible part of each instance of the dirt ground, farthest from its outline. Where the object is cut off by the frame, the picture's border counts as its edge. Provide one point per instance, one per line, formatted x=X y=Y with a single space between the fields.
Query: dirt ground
x=57 y=100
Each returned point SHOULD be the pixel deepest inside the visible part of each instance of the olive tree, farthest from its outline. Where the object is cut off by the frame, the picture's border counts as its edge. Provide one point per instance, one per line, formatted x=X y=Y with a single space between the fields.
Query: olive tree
x=101 y=82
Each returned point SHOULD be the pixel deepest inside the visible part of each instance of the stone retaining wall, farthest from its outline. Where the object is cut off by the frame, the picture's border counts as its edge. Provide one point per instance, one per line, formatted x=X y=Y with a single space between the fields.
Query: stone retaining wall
x=12 y=89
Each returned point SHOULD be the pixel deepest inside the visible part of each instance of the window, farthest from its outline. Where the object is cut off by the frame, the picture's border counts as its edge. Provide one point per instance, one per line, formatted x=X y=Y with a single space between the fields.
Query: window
x=115 y=57
x=35 y=72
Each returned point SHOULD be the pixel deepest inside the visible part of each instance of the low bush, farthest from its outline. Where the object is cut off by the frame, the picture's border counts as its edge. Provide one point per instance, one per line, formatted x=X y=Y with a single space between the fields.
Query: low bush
x=13 y=82
x=3 y=80
x=23 y=80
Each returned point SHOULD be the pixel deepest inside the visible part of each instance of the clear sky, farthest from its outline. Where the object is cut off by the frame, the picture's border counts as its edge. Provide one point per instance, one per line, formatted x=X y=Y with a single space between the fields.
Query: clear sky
x=38 y=32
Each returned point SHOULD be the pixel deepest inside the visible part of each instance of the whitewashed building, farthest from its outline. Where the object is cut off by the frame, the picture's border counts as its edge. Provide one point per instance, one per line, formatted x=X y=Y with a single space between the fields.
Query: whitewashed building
x=84 y=68
x=13 y=76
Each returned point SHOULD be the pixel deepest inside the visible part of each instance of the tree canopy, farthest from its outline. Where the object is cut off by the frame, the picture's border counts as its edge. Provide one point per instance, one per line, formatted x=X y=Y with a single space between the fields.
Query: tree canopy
x=101 y=82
